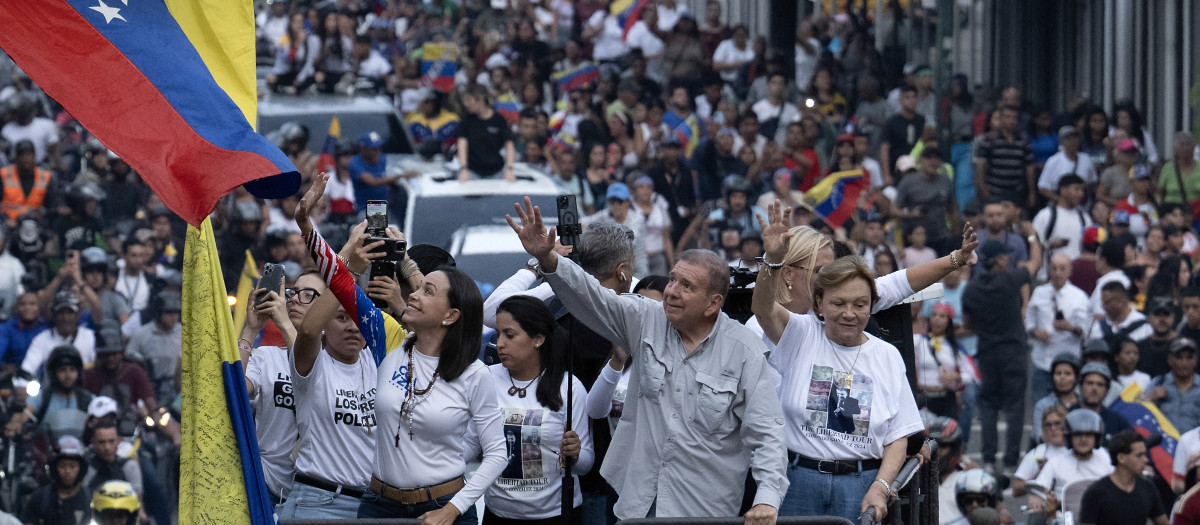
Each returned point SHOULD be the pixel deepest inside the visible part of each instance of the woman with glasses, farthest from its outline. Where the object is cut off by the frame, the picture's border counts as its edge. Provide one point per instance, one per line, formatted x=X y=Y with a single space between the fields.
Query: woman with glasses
x=267 y=370
x=1054 y=420
x=531 y=384
x=847 y=403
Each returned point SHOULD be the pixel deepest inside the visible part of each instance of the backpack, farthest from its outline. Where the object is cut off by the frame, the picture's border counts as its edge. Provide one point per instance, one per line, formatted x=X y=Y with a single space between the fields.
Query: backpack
x=1112 y=339
x=1054 y=220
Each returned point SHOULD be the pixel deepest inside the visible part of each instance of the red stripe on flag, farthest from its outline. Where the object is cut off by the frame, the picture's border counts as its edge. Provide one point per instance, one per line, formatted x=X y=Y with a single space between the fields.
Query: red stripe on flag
x=186 y=171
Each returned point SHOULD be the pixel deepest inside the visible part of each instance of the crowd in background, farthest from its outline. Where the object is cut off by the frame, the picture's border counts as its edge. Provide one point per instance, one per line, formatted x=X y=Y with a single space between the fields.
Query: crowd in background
x=691 y=129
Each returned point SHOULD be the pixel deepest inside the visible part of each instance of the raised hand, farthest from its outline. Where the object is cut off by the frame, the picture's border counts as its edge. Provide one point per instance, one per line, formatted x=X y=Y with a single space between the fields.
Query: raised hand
x=776 y=234
x=309 y=202
x=535 y=238
x=970 y=242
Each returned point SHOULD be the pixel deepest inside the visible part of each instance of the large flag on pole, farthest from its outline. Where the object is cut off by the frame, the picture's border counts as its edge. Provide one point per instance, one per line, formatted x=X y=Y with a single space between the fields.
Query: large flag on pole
x=167 y=85
x=1146 y=420
x=221 y=478
x=835 y=196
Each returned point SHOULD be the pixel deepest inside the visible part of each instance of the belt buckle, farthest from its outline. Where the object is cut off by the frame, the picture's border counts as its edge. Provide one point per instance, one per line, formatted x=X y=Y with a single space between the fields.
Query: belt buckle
x=832 y=469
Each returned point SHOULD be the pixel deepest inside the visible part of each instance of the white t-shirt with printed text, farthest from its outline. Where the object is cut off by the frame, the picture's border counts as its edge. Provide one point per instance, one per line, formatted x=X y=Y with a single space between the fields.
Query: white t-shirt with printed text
x=834 y=413
x=274 y=407
x=335 y=417
x=530 y=487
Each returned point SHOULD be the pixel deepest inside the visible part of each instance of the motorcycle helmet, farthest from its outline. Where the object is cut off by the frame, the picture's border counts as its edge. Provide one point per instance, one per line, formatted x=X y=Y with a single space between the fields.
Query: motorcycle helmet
x=116 y=497
x=1082 y=420
x=68 y=447
x=975 y=483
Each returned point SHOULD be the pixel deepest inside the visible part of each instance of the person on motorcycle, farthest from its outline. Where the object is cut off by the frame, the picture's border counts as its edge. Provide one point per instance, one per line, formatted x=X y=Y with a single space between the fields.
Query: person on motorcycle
x=116 y=503
x=974 y=489
x=107 y=463
x=64 y=501
x=63 y=392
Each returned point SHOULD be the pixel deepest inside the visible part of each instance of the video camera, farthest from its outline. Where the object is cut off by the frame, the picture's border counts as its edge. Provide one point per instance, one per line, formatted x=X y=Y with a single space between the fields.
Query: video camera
x=737 y=302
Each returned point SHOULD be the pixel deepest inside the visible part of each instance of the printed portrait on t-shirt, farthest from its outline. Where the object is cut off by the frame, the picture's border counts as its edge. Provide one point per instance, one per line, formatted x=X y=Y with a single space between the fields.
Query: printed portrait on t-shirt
x=838 y=402
x=525 y=451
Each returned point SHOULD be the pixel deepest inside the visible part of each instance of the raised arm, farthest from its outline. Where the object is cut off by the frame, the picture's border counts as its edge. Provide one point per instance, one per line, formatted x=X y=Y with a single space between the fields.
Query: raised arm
x=616 y=318
x=923 y=276
x=771 y=315
x=308 y=338
x=380 y=330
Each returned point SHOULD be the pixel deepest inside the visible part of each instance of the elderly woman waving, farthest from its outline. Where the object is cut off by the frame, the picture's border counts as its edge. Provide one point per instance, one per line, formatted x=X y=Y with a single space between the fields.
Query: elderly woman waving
x=846 y=401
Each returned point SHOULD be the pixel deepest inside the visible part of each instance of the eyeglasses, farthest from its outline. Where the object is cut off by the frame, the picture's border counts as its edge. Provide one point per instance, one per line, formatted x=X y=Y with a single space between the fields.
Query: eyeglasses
x=302 y=295
x=976 y=499
x=1053 y=424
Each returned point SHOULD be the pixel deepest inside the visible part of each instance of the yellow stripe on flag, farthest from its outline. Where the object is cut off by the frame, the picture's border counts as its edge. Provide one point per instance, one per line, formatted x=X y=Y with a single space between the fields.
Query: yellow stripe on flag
x=1133 y=394
x=222 y=31
x=211 y=486
x=245 y=286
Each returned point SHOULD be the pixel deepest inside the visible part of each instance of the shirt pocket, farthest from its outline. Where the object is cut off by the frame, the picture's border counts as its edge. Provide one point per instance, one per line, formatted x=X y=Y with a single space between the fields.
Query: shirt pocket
x=714 y=400
x=652 y=372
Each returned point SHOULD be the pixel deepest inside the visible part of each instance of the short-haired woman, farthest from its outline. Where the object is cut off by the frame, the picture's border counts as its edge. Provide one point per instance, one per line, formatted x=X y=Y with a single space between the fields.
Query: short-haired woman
x=847 y=404
x=1054 y=420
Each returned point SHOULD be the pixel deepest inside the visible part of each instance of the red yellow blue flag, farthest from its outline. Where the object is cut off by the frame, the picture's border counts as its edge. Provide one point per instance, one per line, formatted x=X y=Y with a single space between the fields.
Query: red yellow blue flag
x=576 y=77
x=835 y=197
x=160 y=83
x=1146 y=420
x=327 y=160
x=439 y=64
x=628 y=12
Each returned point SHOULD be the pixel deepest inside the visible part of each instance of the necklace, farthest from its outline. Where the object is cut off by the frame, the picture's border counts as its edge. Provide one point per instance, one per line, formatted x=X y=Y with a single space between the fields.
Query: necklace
x=362 y=375
x=850 y=370
x=515 y=390
x=413 y=397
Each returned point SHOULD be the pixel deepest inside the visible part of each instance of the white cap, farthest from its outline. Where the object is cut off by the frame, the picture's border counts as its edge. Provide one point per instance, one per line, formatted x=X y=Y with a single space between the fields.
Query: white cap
x=905 y=163
x=102 y=406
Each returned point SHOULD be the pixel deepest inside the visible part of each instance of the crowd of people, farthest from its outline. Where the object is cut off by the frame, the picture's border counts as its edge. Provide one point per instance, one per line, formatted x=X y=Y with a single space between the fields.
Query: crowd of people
x=1064 y=242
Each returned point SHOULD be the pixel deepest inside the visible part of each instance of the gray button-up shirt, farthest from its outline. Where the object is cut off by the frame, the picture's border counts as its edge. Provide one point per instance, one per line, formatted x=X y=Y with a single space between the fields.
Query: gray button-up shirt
x=693 y=424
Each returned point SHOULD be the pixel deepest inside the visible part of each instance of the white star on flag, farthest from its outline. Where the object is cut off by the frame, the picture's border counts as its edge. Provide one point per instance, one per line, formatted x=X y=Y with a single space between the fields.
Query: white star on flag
x=110 y=12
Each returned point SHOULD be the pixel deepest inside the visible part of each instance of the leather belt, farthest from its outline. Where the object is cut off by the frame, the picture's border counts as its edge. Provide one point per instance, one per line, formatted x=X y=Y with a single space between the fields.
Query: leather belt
x=417 y=495
x=331 y=487
x=837 y=467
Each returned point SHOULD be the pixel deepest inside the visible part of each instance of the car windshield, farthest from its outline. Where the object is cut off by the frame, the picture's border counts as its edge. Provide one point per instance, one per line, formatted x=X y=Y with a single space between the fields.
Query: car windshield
x=435 y=219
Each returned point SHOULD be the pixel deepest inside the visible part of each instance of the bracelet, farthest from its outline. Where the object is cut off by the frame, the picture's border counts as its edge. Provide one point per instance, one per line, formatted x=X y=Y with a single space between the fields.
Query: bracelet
x=770 y=265
x=346 y=263
x=408 y=268
x=244 y=344
x=954 y=260
x=886 y=486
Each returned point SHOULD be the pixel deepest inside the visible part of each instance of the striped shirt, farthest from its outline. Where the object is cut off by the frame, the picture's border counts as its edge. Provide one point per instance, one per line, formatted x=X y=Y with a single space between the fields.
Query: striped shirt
x=1006 y=162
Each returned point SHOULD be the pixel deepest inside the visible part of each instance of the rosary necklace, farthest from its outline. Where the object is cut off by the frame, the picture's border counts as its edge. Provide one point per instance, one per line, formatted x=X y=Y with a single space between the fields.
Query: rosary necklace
x=515 y=390
x=413 y=397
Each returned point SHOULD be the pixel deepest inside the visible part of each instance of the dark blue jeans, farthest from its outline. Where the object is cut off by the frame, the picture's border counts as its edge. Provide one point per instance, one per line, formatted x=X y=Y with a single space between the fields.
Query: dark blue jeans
x=375 y=506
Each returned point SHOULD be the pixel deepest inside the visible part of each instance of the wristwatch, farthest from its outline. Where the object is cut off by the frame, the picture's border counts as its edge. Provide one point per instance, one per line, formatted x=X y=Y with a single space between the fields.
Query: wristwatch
x=533 y=266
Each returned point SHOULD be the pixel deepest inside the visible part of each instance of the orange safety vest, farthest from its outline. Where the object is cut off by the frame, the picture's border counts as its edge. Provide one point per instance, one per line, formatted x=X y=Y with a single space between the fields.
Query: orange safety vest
x=16 y=203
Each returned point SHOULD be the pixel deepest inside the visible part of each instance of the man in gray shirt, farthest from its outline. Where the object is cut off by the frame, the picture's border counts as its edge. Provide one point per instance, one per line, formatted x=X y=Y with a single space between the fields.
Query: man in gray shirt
x=706 y=410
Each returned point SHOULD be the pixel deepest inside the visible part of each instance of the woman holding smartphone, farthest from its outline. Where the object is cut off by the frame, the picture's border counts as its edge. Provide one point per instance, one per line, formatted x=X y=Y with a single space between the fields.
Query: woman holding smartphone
x=431 y=387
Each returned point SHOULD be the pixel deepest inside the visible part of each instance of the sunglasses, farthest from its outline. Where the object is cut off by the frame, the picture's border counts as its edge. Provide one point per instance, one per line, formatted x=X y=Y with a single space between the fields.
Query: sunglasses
x=302 y=295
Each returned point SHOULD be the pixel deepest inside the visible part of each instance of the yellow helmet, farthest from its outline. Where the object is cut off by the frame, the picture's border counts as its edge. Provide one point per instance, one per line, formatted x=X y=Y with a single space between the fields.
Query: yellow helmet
x=115 y=495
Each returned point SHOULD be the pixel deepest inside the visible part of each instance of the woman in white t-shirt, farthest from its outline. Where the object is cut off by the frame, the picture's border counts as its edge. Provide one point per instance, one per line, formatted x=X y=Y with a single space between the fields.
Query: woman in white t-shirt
x=847 y=404
x=942 y=366
x=732 y=54
x=653 y=207
x=529 y=383
x=1054 y=420
x=607 y=36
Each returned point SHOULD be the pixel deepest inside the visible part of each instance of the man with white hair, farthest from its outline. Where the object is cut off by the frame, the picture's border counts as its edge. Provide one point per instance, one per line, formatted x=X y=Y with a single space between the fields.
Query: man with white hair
x=1055 y=319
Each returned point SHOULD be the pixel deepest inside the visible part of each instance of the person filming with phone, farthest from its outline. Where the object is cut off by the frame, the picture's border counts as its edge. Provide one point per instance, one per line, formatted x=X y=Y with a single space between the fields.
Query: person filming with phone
x=727 y=420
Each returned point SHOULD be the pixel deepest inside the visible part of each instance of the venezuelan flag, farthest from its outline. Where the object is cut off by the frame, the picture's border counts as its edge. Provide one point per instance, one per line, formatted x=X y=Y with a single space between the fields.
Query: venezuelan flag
x=689 y=130
x=835 y=197
x=439 y=64
x=442 y=128
x=628 y=12
x=507 y=106
x=1147 y=419
x=167 y=85
x=327 y=161
x=576 y=77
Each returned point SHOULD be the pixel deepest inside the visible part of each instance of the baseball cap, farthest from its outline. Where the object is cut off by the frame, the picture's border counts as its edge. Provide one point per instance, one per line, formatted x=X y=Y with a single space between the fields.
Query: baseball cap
x=23 y=146
x=65 y=300
x=102 y=406
x=1182 y=343
x=618 y=190
x=370 y=139
x=1127 y=145
x=992 y=249
x=905 y=163
x=169 y=301
x=781 y=175
x=1141 y=171
x=845 y=137
x=108 y=338
x=1160 y=305
x=1120 y=217
x=644 y=179
x=1095 y=236
x=93 y=256
x=971 y=207
x=1067 y=130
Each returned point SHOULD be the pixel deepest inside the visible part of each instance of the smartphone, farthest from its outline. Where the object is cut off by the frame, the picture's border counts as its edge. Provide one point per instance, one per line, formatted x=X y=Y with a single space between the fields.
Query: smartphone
x=377 y=218
x=387 y=266
x=272 y=277
x=569 y=228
